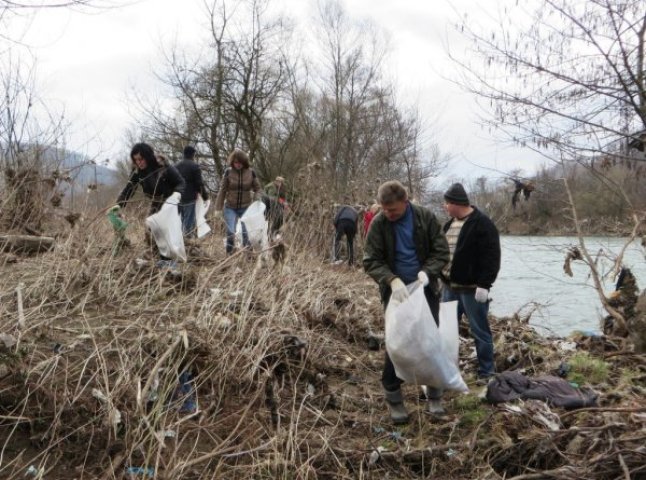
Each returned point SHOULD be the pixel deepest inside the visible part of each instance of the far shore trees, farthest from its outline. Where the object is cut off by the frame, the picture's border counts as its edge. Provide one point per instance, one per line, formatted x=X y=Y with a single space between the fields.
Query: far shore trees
x=566 y=79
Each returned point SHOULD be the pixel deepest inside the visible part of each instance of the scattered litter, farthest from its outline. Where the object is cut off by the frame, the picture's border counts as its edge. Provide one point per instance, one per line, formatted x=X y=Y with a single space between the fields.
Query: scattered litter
x=114 y=415
x=375 y=455
x=148 y=472
x=451 y=453
x=566 y=346
x=310 y=389
x=8 y=340
x=140 y=262
x=378 y=430
x=185 y=392
x=33 y=471
x=512 y=408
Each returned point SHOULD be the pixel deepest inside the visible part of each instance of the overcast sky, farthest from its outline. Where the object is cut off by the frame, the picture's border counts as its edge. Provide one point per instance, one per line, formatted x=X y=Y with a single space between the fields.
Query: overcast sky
x=87 y=64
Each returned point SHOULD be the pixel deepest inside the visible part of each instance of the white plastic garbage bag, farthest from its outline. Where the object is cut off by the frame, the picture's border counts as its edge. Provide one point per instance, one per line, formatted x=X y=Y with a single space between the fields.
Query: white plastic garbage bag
x=256 y=225
x=416 y=346
x=166 y=228
x=201 y=207
x=449 y=329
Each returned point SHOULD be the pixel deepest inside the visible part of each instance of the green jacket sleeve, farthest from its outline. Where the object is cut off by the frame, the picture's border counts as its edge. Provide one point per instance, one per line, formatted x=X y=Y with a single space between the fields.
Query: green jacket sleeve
x=375 y=259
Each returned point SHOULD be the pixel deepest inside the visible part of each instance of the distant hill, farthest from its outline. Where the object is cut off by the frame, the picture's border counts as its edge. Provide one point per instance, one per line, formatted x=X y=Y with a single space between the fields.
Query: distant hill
x=85 y=171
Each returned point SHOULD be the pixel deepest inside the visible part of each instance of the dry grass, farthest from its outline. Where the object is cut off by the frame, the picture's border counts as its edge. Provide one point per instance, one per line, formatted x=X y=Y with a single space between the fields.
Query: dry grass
x=285 y=384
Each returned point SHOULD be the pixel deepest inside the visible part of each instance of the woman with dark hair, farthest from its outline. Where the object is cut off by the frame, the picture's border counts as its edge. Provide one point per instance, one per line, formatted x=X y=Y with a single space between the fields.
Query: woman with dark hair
x=159 y=180
x=235 y=195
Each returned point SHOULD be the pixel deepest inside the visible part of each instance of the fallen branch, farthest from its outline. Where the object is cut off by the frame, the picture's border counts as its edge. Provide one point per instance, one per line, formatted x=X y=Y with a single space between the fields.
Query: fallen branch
x=602 y=409
x=25 y=243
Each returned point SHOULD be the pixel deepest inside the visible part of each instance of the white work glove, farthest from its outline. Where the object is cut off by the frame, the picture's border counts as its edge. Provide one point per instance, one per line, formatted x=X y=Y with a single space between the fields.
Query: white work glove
x=217 y=214
x=400 y=292
x=422 y=278
x=482 y=295
x=175 y=198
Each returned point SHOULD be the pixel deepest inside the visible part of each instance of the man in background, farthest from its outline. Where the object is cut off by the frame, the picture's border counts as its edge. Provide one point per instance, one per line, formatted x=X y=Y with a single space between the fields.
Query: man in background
x=192 y=174
x=474 y=244
x=345 y=224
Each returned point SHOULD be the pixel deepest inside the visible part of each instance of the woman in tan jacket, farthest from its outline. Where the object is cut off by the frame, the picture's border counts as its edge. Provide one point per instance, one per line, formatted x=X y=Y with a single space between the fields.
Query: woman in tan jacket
x=235 y=195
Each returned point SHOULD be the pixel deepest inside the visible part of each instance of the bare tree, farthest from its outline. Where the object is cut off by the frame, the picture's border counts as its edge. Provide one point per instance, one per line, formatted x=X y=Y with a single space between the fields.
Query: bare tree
x=225 y=97
x=565 y=75
x=566 y=79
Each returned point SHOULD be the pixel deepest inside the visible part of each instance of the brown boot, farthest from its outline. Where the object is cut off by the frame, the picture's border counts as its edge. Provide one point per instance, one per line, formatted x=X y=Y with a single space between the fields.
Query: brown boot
x=398 y=412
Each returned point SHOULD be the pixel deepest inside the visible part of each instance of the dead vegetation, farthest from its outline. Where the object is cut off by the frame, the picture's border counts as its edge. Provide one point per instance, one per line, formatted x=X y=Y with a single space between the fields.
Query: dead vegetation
x=283 y=365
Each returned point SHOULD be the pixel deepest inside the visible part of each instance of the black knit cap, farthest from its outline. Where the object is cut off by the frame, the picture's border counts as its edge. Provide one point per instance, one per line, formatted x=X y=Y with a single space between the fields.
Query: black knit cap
x=189 y=151
x=457 y=195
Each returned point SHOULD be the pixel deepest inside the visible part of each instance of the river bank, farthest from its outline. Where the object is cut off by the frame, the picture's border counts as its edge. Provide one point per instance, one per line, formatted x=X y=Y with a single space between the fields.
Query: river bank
x=284 y=373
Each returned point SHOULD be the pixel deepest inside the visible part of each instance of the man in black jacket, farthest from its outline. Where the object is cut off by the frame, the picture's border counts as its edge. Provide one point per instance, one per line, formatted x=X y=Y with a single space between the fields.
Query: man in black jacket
x=475 y=261
x=192 y=174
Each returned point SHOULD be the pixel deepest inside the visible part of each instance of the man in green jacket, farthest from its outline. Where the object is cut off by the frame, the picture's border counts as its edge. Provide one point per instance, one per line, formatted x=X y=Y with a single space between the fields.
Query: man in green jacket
x=405 y=244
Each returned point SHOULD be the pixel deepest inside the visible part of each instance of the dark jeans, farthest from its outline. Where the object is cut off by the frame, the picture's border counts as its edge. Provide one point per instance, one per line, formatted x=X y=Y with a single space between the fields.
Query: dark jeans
x=478 y=325
x=389 y=378
x=349 y=229
x=187 y=211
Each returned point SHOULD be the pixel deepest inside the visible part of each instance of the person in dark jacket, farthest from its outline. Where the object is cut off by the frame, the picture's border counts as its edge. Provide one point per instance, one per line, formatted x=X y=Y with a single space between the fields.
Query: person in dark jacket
x=345 y=223
x=192 y=174
x=475 y=261
x=159 y=181
x=405 y=244
x=238 y=186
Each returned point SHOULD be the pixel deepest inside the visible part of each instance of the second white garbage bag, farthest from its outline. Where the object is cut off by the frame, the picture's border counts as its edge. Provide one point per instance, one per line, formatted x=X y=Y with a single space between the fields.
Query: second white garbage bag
x=256 y=225
x=166 y=228
x=201 y=208
x=422 y=353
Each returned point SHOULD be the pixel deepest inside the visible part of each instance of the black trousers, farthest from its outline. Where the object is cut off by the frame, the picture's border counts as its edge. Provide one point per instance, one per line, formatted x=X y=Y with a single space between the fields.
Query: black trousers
x=389 y=378
x=349 y=229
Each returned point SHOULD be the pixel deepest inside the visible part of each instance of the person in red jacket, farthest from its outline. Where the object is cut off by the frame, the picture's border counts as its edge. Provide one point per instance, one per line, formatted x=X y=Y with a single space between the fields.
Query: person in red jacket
x=368 y=216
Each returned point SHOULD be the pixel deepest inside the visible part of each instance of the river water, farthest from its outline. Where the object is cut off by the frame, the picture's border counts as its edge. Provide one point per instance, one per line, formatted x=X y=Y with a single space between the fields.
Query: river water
x=532 y=277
